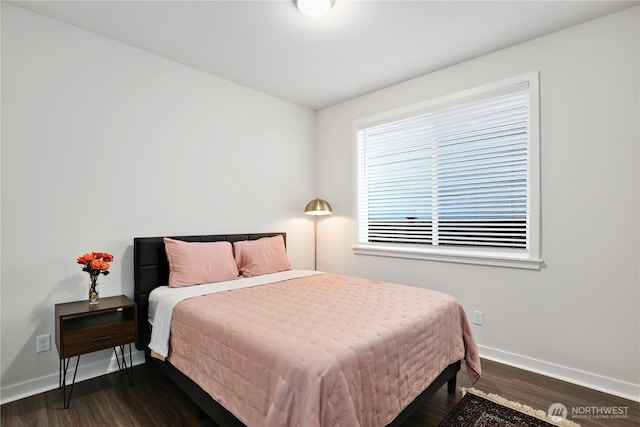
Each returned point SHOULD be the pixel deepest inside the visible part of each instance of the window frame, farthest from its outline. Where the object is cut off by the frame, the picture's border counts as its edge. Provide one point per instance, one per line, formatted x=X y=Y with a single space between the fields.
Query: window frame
x=529 y=259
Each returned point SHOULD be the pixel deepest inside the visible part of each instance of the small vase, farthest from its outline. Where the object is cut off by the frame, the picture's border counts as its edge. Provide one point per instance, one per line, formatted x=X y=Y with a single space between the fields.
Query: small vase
x=94 y=295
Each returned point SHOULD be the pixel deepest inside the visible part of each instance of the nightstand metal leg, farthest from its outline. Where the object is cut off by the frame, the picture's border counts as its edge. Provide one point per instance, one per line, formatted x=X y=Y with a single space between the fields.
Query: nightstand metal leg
x=128 y=369
x=62 y=378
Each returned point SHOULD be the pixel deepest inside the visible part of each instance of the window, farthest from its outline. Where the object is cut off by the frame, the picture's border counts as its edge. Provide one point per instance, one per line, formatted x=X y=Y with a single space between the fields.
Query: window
x=453 y=179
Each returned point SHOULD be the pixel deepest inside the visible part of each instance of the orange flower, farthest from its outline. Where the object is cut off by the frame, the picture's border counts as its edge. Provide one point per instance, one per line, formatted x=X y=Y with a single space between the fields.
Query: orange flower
x=98 y=264
x=85 y=259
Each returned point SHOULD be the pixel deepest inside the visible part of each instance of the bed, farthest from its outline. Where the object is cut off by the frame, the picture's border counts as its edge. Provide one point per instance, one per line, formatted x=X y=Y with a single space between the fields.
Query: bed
x=324 y=389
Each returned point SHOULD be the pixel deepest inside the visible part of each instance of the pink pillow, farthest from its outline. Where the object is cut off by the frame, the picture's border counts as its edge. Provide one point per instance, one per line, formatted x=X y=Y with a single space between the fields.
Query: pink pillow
x=194 y=263
x=262 y=256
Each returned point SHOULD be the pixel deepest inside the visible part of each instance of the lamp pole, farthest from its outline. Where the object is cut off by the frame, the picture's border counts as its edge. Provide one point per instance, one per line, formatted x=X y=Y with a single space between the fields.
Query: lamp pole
x=315 y=242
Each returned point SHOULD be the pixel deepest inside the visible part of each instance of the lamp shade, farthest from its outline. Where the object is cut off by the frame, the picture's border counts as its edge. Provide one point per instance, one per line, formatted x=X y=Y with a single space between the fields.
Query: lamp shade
x=318 y=207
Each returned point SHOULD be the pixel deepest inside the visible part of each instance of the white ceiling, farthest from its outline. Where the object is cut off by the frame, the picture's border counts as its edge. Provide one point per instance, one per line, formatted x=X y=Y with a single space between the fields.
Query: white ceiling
x=360 y=46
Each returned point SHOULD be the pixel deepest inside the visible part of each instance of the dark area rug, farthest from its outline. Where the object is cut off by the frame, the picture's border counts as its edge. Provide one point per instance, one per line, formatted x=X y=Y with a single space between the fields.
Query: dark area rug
x=478 y=409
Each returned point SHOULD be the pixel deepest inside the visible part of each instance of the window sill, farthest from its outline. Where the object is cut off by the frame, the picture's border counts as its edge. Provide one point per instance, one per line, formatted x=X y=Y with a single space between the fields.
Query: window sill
x=514 y=260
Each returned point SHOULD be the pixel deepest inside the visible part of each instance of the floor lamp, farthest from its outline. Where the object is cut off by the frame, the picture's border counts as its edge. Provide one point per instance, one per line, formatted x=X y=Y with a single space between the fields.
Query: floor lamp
x=317 y=207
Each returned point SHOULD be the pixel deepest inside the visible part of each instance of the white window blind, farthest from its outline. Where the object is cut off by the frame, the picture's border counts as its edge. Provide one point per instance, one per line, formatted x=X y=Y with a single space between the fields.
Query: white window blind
x=455 y=176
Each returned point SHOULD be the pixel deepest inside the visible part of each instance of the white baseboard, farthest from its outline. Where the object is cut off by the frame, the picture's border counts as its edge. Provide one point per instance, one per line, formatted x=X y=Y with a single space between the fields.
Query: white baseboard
x=86 y=371
x=590 y=380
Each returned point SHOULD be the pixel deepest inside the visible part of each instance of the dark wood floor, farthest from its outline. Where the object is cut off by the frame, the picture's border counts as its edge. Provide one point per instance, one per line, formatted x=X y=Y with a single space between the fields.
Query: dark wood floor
x=531 y=389
x=108 y=401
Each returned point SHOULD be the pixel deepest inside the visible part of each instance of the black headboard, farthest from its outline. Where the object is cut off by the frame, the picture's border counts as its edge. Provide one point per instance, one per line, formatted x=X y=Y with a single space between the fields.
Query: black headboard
x=151 y=269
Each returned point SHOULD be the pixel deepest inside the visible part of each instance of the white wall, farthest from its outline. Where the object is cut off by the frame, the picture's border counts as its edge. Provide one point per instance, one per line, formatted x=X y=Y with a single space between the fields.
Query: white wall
x=577 y=318
x=102 y=142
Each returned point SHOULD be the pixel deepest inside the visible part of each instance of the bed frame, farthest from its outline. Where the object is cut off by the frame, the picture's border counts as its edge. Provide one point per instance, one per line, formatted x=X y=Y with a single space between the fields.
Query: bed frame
x=151 y=269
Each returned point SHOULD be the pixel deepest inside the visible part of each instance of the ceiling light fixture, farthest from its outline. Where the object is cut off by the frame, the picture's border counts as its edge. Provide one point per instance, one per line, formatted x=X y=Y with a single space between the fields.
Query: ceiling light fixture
x=314 y=8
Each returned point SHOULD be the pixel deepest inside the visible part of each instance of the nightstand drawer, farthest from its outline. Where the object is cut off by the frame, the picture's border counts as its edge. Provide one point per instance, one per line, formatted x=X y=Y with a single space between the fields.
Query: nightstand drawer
x=97 y=338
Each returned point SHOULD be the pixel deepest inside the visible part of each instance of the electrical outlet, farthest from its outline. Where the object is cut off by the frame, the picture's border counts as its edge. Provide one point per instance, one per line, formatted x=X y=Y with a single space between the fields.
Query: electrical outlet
x=477 y=318
x=43 y=343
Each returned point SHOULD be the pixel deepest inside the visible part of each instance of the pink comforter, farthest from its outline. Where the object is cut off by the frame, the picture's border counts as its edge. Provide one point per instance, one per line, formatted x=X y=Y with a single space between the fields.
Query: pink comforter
x=324 y=350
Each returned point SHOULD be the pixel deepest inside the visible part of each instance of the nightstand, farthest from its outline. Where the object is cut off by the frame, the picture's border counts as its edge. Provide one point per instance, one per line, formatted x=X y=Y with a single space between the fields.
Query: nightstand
x=82 y=328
